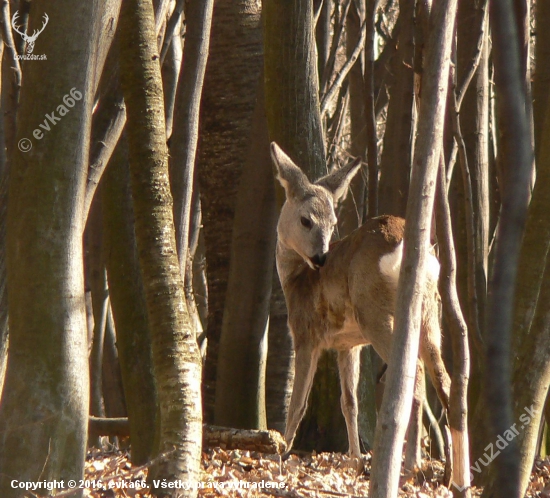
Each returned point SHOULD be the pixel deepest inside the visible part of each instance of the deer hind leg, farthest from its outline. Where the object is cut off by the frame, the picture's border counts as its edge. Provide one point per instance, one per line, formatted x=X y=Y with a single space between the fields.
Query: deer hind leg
x=413 y=455
x=348 y=368
x=430 y=348
x=305 y=364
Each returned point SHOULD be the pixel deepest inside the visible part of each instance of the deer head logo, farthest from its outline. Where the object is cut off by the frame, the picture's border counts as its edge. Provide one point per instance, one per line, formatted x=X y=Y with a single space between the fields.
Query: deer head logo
x=29 y=39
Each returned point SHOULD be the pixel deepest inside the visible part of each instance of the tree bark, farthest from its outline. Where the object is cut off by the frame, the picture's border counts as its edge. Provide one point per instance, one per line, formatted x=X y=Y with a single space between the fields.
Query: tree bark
x=127 y=297
x=396 y=405
x=531 y=340
x=183 y=144
x=395 y=163
x=541 y=78
x=227 y=107
x=240 y=387
x=176 y=356
x=293 y=116
x=458 y=403
x=370 y=115
x=291 y=91
x=44 y=409
x=516 y=161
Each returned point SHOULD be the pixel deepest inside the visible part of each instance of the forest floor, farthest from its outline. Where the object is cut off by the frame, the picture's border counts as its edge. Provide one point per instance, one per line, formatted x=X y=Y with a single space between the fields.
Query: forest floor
x=248 y=474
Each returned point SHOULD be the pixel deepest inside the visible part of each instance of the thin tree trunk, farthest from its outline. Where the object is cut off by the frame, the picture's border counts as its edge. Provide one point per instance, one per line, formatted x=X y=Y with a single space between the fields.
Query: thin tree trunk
x=516 y=160
x=370 y=115
x=176 y=356
x=396 y=404
x=183 y=145
x=93 y=237
x=240 y=386
x=113 y=389
x=128 y=304
x=472 y=46
x=44 y=409
x=458 y=404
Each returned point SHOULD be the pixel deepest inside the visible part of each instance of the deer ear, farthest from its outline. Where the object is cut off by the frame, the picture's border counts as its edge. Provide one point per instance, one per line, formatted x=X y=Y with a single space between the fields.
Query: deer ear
x=338 y=181
x=290 y=176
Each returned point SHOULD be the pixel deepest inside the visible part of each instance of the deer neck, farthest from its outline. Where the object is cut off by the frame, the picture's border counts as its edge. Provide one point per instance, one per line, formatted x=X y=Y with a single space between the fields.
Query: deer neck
x=289 y=263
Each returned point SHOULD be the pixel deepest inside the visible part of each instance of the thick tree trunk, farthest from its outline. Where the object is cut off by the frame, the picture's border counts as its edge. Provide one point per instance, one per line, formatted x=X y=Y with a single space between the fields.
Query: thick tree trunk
x=128 y=303
x=176 y=356
x=395 y=164
x=44 y=409
x=280 y=360
x=291 y=92
x=541 y=78
x=531 y=340
x=227 y=106
x=240 y=387
x=396 y=404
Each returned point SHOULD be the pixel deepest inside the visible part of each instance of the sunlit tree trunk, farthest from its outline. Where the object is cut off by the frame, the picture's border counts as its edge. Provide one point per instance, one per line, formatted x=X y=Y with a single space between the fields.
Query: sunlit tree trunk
x=396 y=405
x=176 y=356
x=44 y=409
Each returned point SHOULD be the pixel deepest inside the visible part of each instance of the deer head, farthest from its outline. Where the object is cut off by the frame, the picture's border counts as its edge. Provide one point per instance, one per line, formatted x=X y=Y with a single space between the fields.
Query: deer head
x=308 y=216
x=29 y=39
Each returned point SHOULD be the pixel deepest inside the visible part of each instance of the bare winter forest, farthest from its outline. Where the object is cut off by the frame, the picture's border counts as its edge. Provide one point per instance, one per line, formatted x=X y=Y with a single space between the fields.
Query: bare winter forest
x=206 y=284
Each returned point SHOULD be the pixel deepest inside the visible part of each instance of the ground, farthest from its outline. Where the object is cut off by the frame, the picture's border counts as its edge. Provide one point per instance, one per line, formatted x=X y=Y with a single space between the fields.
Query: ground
x=248 y=474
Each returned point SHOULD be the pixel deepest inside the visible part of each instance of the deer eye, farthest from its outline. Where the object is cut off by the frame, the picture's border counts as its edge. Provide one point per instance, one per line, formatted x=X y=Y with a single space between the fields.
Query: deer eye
x=306 y=222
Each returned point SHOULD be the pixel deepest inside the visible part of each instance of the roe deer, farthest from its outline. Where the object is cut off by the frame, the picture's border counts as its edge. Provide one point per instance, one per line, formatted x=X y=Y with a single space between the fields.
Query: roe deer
x=343 y=298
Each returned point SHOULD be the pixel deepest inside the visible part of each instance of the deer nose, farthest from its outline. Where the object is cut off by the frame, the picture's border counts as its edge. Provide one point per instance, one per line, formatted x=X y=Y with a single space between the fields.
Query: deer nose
x=319 y=260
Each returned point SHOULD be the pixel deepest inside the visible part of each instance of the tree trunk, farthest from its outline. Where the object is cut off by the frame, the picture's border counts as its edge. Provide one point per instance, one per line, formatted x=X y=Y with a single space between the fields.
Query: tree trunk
x=516 y=161
x=291 y=91
x=292 y=107
x=227 y=106
x=176 y=356
x=44 y=409
x=395 y=164
x=396 y=404
x=127 y=297
x=458 y=403
x=183 y=144
x=541 y=78
x=240 y=387
x=531 y=340
x=472 y=45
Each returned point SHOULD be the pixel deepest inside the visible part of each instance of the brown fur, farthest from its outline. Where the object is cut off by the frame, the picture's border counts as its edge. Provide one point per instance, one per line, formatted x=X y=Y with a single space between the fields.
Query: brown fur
x=347 y=302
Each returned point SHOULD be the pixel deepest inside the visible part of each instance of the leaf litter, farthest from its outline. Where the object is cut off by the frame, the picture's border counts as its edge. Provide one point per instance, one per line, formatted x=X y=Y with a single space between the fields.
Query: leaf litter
x=244 y=474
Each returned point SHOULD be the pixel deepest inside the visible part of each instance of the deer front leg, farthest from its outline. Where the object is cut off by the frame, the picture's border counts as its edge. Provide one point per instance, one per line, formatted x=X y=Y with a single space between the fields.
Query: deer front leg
x=348 y=367
x=305 y=365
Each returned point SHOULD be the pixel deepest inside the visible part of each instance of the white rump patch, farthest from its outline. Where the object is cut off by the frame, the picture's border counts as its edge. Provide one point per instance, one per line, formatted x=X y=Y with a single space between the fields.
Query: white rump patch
x=432 y=268
x=390 y=264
